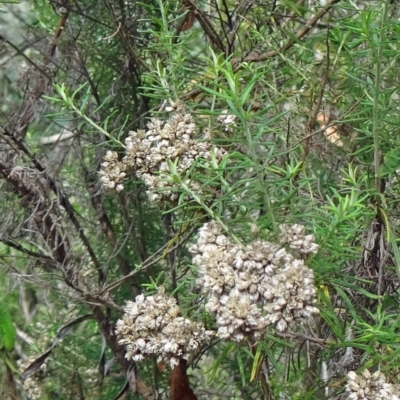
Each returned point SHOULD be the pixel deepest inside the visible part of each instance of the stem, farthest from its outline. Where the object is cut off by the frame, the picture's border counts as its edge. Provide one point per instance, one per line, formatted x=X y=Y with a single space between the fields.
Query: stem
x=260 y=173
x=68 y=101
x=377 y=84
x=210 y=212
x=91 y=122
x=171 y=55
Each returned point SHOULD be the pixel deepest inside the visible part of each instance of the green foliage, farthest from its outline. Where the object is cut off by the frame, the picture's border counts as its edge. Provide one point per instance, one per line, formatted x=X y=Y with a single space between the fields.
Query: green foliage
x=7 y=330
x=391 y=162
x=312 y=140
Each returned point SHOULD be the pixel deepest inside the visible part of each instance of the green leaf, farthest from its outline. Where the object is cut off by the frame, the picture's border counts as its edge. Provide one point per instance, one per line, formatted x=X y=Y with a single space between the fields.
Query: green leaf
x=256 y=362
x=342 y=282
x=7 y=330
x=247 y=90
x=241 y=366
x=11 y=364
x=229 y=348
x=391 y=162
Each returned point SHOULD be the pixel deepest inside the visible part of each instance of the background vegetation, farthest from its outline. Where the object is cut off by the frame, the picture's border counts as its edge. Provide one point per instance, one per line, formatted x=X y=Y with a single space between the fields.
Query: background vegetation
x=312 y=92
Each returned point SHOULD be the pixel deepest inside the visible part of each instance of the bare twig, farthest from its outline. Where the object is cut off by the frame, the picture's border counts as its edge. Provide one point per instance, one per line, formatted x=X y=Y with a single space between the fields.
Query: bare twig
x=257 y=56
x=164 y=250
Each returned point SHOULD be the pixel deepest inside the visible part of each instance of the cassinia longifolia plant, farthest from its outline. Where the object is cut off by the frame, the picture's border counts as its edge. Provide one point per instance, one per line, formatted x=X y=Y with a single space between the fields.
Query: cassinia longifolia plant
x=248 y=289
x=213 y=185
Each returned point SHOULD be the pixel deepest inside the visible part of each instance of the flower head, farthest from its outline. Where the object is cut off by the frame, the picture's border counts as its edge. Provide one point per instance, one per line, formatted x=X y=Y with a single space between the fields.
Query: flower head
x=152 y=326
x=112 y=172
x=250 y=288
x=369 y=386
x=149 y=152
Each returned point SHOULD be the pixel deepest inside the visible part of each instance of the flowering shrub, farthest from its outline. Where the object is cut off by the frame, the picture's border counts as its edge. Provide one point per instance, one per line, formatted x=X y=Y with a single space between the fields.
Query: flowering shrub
x=246 y=289
x=305 y=105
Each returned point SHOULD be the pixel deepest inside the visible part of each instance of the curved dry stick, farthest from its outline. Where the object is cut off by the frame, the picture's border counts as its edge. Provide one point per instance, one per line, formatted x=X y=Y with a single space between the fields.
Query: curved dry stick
x=205 y=24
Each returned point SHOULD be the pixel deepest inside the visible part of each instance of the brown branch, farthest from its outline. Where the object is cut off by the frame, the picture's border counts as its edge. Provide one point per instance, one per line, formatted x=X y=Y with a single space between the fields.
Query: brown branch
x=63 y=201
x=257 y=56
x=179 y=383
x=185 y=23
x=38 y=256
x=64 y=11
x=29 y=60
x=205 y=24
x=32 y=194
x=107 y=328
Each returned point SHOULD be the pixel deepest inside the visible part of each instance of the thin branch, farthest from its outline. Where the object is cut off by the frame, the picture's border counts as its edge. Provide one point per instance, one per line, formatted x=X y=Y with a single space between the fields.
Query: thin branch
x=164 y=250
x=29 y=60
x=205 y=24
x=64 y=202
x=38 y=256
x=128 y=220
x=257 y=56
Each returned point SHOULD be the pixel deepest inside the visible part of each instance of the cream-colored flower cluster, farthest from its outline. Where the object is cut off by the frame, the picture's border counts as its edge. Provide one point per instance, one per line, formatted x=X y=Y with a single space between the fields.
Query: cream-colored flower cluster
x=32 y=388
x=152 y=326
x=149 y=152
x=228 y=121
x=294 y=235
x=33 y=383
x=370 y=387
x=248 y=289
x=113 y=172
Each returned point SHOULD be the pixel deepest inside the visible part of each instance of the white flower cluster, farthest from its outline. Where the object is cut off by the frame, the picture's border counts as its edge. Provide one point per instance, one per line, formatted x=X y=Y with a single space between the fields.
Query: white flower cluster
x=294 y=235
x=227 y=120
x=148 y=153
x=33 y=383
x=113 y=172
x=369 y=387
x=152 y=326
x=32 y=388
x=249 y=289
